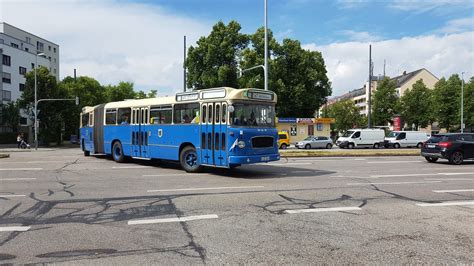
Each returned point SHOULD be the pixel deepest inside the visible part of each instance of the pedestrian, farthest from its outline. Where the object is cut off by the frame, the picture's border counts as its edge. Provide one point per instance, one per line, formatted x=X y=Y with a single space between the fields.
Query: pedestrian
x=18 y=140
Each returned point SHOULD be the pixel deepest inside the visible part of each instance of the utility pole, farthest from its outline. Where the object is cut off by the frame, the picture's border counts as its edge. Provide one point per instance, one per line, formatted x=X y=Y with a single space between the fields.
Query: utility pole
x=266 y=48
x=462 y=102
x=74 y=75
x=184 y=65
x=369 y=113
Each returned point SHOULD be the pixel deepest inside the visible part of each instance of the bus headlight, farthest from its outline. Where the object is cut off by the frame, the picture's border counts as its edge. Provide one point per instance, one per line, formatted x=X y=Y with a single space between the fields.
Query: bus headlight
x=241 y=144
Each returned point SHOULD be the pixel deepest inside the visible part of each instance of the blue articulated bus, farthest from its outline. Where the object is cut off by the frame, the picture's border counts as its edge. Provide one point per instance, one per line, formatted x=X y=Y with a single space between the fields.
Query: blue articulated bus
x=219 y=127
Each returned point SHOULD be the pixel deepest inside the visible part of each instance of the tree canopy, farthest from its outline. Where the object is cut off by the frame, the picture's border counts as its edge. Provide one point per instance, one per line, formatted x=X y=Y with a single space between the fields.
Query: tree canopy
x=416 y=105
x=446 y=96
x=385 y=102
x=298 y=76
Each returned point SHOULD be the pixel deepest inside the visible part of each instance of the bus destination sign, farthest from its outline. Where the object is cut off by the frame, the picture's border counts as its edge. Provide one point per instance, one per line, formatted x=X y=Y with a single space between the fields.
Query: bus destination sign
x=260 y=95
x=187 y=96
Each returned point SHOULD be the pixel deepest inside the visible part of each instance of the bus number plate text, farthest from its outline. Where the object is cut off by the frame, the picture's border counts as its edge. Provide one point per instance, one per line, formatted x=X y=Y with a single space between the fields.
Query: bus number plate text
x=265 y=158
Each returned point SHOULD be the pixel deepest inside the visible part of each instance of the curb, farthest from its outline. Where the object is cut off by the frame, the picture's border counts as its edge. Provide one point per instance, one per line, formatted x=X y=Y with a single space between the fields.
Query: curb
x=3 y=155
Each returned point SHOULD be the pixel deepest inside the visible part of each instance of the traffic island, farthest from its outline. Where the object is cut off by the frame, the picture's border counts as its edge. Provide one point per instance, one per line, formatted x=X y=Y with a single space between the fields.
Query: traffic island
x=348 y=153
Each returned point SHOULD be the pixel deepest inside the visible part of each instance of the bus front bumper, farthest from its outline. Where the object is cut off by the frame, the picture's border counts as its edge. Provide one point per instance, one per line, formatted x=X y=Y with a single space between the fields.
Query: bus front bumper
x=254 y=159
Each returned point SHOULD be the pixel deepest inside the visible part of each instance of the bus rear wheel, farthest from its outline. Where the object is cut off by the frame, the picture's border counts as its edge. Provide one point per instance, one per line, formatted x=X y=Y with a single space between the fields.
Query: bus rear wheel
x=117 y=152
x=189 y=160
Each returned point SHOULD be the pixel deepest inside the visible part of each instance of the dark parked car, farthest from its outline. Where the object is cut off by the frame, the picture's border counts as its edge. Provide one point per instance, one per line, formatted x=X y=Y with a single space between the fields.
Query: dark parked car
x=455 y=147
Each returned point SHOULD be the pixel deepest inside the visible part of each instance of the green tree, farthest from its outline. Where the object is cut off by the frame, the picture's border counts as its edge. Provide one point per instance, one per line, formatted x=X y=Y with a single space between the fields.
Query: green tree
x=213 y=62
x=385 y=102
x=11 y=115
x=469 y=104
x=124 y=90
x=52 y=113
x=347 y=116
x=300 y=80
x=446 y=102
x=152 y=94
x=90 y=93
x=416 y=105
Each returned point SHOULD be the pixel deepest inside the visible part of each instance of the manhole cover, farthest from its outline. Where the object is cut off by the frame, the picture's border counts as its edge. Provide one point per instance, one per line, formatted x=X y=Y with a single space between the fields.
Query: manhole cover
x=6 y=256
x=77 y=253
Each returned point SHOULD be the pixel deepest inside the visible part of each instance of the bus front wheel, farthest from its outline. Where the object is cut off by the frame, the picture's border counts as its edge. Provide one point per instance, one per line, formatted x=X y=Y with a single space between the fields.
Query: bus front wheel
x=189 y=160
x=117 y=152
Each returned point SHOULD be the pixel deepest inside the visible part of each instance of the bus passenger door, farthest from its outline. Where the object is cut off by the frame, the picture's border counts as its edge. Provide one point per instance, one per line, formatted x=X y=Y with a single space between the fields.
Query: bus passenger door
x=207 y=139
x=135 y=129
x=144 y=151
x=220 y=134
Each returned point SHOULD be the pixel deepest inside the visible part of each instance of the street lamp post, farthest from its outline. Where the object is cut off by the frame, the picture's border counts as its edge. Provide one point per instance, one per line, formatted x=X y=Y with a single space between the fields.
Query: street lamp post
x=462 y=102
x=266 y=48
x=36 y=103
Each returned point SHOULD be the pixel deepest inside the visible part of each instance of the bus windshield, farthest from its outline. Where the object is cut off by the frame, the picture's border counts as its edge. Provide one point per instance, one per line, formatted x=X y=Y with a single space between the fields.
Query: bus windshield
x=253 y=114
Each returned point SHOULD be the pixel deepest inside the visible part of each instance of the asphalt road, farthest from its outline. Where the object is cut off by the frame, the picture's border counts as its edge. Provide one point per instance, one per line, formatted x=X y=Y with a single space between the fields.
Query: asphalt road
x=60 y=207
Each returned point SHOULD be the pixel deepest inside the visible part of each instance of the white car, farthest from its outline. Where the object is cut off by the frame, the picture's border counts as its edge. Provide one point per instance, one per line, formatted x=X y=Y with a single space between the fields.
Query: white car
x=366 y=137
x=398 y=139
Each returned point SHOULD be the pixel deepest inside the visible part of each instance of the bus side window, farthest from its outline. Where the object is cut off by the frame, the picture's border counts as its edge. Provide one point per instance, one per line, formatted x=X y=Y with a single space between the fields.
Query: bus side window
x=204 y=114
x=124 y=115
x=110 y=116
x=224 y=112
x=85 y=120
x=210 y=114
x=91 y=119
x=186 y=113
x=218 y=113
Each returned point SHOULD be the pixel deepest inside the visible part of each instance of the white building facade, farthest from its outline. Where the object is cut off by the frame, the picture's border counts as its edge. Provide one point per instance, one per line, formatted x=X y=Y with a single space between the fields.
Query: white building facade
x=18 y=50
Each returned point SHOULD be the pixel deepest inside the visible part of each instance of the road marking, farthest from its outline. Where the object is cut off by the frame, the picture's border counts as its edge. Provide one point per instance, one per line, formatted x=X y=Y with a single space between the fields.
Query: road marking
x=336 y=209
x=203 y=188
x=360 y=159
x=453 y=190
x=20 y=169
x=402 y=175
x=448 y=179
x=456 y=173
x=130 y=167
x=15 y=228
x=457 y=203
x=397 y=162
x=183 y=174
x=11 y=196
x=289 y=163
x=18 y=179
x=392 y=183
x=172 y=220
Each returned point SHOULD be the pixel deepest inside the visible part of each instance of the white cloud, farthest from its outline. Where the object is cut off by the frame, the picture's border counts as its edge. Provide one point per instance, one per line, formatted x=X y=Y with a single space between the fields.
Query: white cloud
x=110 y=40
x=458 y=25
x=422 y=6
x=347 y=63
x=360 y=36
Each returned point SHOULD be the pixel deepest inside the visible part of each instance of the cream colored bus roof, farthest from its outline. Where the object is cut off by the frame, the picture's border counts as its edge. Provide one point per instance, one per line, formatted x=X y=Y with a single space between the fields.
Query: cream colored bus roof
x=231 y=93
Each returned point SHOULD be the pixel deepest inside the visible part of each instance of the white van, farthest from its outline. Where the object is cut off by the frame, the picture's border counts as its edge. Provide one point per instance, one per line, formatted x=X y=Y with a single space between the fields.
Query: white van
x=398 y=139
x=366 y=137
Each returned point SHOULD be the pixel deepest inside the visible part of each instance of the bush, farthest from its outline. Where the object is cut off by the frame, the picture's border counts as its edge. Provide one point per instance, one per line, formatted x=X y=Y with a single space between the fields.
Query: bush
x=8 y=138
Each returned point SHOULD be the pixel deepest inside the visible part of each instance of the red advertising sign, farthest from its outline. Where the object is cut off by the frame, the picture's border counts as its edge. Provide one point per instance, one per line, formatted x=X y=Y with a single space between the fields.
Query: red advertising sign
x=397 y=123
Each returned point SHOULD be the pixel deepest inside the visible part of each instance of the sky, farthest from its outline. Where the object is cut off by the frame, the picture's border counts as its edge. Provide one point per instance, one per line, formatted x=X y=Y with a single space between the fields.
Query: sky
x=141 y=41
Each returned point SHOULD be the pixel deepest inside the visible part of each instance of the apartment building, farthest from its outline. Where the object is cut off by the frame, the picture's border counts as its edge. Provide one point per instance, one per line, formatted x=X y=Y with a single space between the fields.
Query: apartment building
x=405 y=81
x=18 y=50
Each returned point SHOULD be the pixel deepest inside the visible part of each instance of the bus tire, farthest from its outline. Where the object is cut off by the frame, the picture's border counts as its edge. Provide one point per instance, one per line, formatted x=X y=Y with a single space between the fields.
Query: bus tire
x=117 y=152
x=188 y=159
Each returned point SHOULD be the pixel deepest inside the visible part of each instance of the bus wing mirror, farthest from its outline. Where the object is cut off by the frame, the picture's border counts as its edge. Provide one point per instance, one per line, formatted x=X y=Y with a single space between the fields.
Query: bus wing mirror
x=230 y=108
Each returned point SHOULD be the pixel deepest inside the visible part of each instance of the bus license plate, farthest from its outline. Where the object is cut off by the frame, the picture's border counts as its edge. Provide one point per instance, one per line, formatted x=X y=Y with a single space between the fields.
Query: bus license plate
x=265 y=158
